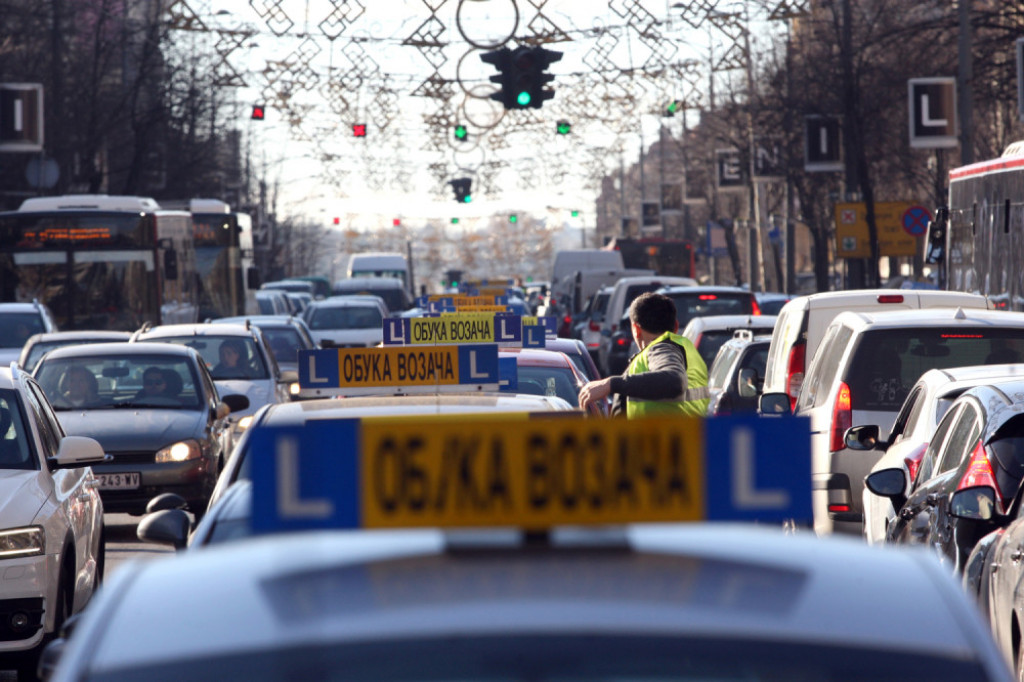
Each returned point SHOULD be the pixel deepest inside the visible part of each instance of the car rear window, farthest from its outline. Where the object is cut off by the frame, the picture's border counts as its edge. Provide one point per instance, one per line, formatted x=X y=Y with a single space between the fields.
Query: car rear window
x=690 y=305
x=886 y=363
x=1006 y=447
x=350 y=317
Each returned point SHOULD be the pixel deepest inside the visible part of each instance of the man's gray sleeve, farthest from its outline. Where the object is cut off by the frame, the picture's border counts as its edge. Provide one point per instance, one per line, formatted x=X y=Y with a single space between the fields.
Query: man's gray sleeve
x=665 y=378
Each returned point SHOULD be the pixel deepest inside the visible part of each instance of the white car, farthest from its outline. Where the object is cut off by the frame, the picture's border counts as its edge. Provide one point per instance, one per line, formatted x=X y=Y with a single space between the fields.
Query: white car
x=710 y=332
x=864 y=371
x=347 y=321
x=19 y=321
x=51 y=522
x=921 y=412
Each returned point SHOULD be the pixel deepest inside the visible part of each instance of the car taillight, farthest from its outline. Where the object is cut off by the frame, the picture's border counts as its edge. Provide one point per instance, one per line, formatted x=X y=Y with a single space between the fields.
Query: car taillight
x=621 y=341
x=890 y=298
x=979 y=472
x=567 y=319
x=842 y=417
x=755 y=307
x=795 y=371
x=707 y=297
x=913 y=461
x=594 y=326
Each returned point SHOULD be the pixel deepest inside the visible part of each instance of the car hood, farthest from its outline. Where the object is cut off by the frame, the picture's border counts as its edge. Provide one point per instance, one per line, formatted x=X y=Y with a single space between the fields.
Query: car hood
x=128 y=430
x=22 y=494
x=259 y=392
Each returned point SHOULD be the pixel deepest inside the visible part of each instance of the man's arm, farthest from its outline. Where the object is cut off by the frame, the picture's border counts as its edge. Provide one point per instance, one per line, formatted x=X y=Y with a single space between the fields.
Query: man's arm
x=665 y=378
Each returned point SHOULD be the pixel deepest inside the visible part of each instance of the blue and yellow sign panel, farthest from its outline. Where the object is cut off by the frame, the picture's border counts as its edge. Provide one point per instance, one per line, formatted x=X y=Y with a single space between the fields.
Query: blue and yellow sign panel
x=453 y=329
x=408 y=369
x=547 y=471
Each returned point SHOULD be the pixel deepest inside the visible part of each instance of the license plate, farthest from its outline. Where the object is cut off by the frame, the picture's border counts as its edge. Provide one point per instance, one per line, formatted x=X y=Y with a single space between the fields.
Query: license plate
x=125 y=481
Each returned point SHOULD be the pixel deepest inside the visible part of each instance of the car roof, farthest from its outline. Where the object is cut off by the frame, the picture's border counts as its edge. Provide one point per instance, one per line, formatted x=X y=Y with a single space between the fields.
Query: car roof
x=932 y=298
x=1002 y=399
x=931 y=317
x=732 y=321
x=368 y=282
x=295 y=413
x=79 y=334
x=20 y=307
x=348 y=302
x=197 y=329
x=115 y=349
x=537 y=357
x=681 y=580
x=261 y=320
x=701 y=289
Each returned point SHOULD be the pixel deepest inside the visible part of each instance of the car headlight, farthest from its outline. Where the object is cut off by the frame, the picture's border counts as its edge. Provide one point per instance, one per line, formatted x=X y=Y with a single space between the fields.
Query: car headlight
x=294 y=388
x=243 y=423
x=21 y=542
x=181 y=451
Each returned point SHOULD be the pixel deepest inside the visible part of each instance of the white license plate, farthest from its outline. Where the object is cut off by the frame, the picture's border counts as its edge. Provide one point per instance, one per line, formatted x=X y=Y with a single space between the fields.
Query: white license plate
x=126 y=481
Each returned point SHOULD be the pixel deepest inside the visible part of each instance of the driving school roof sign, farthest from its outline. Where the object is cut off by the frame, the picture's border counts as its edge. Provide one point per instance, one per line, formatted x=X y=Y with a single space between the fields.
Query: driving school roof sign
x=546 y=471
x=405 y=369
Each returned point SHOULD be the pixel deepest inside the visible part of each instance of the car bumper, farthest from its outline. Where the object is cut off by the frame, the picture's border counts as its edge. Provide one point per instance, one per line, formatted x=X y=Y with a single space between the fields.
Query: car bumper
x=28 y=586
x=193 y=480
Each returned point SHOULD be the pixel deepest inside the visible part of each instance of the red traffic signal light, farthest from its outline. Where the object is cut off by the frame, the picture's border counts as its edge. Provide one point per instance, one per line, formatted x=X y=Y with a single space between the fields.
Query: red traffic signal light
x=396 y=222
x=337 y=221
x=358 y=130
x=257 y=112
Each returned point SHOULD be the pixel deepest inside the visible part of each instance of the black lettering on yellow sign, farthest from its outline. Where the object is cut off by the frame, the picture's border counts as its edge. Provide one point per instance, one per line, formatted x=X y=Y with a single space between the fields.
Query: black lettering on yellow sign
x=429 y=331
x=539 y=473
x=425 y=365
x=366 y=368
x=470 y=330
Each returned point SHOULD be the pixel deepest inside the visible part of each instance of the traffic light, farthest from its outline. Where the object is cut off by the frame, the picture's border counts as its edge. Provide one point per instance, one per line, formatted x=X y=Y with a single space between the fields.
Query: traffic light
x=337 y=221
x=455 y=221
x=462 y=188
x=575 y=214
x=461 y=134
x=672 y=107
x=358 y=130
x=396 y=222
x=563 y=128
x=522 y=75
x=257 y=112
x=513 y=218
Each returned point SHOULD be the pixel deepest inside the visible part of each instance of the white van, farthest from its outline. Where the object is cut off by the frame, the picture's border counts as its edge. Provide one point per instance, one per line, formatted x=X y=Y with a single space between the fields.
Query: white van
x=802 y=323
x=380 y=264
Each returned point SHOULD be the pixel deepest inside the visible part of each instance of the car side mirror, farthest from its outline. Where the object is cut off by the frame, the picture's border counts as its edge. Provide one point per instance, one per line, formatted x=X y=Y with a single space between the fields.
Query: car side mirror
x=166 y=501
x=165 y=527
x=887 y=482
x=863 y=438
x=774 y=404
x=235 y=401
x=77 y=451
x=977 y=503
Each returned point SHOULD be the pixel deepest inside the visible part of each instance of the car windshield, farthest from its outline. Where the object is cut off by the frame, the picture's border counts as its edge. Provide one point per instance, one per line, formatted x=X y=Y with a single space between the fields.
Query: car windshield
x=107 y=382
x=887 y=362
x=691 y=305
x=14 y=440
x=227 y=357
x=710 y=341
x=284 y=342
x=347 y=317
x=16 y=328
x=555 y=658
x=549 y=381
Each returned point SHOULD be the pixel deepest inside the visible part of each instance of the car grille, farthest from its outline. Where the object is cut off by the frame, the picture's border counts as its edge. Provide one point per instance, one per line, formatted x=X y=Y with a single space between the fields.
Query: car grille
x=133 y=457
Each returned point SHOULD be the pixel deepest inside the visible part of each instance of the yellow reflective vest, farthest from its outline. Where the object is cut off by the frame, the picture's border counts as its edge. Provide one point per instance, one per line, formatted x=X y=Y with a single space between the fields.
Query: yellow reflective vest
x=694 y=399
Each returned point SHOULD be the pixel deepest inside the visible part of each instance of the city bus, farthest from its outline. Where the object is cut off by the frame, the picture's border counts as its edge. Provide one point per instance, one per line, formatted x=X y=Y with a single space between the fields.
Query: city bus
x=228 y=280
x=100 y=262
x=977 y=240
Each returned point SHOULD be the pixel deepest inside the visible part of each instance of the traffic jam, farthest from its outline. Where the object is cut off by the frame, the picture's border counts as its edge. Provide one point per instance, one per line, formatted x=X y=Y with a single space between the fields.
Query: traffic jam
x=434 y=504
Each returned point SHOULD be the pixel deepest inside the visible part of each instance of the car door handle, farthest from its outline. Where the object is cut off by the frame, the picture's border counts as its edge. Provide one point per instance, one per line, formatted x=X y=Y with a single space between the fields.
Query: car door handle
x=91 y=484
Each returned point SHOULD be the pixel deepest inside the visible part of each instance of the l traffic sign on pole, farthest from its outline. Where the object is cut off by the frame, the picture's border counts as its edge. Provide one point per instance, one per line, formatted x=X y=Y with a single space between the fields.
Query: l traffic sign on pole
x=932 y=107
x=821 y=144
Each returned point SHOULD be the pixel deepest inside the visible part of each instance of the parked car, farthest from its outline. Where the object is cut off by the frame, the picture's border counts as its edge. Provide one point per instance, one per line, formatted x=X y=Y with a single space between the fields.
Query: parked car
x=52 y=542
x=348 y=321
x=863 y=374
x=802 y=323
x=926 y=404
x=18 y=322
x=39 y=344
x=622 y=295
x=970 y=474
x=708 y=333
x=253 y=372
x=155 y=410
x=736 y=376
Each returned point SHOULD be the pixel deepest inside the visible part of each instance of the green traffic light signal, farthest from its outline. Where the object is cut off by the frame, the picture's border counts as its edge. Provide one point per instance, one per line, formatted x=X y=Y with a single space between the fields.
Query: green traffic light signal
x=455 y=221
x=468 y=198
x=461 y=133
x=513 y=218
x=564 y=128
x=575 y=214
x=523 y=99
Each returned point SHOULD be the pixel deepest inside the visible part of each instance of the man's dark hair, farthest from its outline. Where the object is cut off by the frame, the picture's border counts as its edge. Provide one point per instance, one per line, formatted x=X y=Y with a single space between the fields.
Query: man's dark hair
x=655 y=313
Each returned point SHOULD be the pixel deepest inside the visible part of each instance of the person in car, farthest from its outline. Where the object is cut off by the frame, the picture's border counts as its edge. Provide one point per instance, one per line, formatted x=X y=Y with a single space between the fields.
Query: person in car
x=667 y=376
x=82 y=387
x=154 y=384
x=232 y=363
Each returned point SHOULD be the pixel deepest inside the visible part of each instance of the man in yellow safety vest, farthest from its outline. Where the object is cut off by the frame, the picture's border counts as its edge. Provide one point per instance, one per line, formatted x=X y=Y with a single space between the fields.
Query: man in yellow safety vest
x=667 y=376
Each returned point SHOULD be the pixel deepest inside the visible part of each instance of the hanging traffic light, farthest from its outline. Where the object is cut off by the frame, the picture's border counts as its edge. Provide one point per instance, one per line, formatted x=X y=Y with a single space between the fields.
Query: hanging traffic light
x=563 y=128
x=513 y=218
x=522 y=75
x=258 y=111
x=462 y=188
x=672 y=107
x=461 y=134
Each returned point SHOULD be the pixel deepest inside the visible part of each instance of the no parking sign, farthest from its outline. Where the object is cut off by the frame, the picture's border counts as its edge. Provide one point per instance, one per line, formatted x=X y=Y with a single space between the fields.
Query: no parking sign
x=915 y=220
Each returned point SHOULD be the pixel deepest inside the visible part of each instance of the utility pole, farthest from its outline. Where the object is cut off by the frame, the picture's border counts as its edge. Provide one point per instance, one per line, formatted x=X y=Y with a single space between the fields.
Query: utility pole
x=965 y=75
x=757 y=252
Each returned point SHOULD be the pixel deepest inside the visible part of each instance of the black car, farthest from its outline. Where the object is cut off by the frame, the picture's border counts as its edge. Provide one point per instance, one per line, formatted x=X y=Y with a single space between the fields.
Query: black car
x=968 y=477
x=736 y=376
x=703 y=301
x=153 y=407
